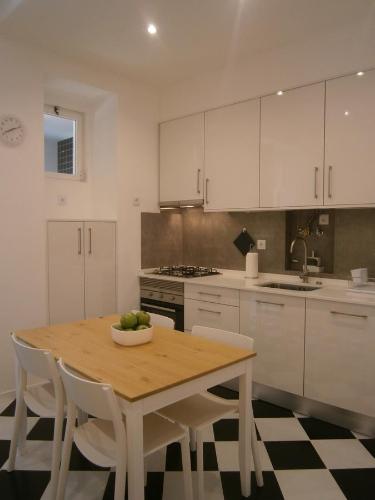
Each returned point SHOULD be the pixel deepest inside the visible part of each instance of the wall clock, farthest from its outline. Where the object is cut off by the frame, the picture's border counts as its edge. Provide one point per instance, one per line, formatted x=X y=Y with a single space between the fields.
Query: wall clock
x=12 y=130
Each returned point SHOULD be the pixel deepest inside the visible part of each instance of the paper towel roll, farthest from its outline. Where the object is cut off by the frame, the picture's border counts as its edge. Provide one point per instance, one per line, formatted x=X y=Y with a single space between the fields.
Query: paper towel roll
x=251 y=265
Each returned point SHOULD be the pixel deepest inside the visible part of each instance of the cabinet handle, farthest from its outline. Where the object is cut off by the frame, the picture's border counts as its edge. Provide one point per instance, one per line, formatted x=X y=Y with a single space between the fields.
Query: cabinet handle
x=210 y=294
x=208 y=310
x=90 y=240
x=316 y=170
x=207 y=191
x=330 y=168
x=79 y=241
x=363 y=316
x=198 y=181
x=270 y=303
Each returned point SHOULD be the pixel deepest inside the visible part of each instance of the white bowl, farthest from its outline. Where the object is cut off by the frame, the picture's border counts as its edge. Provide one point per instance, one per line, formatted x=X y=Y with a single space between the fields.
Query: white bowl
x=136 y=337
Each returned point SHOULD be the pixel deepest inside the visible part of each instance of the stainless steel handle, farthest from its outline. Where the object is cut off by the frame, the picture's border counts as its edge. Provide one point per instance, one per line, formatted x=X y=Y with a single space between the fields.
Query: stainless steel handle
x=330 y=168
x=158 y=308
x=363 y=316
x=210 y=294
x=198 y=181
x=270 y=303
x=207 y=191
x=208 y=310
x=90 y=240
x=79 y=241
x=316 y=170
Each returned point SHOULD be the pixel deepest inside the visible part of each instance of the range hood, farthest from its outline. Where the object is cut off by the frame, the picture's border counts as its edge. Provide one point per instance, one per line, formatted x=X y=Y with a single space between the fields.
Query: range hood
x=170 y=205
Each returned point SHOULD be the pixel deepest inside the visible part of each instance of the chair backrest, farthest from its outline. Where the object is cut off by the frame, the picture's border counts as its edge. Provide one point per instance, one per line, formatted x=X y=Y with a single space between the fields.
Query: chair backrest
x=159 y=320
x=234 y=339
x=93 y=398
x=39 y=362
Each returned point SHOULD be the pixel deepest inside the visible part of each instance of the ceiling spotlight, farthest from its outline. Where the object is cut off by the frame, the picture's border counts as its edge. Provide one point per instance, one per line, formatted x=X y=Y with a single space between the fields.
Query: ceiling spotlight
x=279 y=92
x=151 y=28
x=346 y=113
x=360 y=73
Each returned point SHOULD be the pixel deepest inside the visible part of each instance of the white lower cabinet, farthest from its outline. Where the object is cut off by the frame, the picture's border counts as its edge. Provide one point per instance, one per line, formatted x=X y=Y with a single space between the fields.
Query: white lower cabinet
x=81 y=270
x=276 y=322
x=199 y=312
x=339 y=360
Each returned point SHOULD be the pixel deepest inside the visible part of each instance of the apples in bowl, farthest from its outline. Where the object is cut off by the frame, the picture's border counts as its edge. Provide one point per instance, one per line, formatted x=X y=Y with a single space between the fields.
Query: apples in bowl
x=134 y=329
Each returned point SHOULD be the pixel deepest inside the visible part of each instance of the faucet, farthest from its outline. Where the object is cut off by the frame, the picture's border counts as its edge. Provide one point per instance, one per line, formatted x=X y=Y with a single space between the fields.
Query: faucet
x=304 y=275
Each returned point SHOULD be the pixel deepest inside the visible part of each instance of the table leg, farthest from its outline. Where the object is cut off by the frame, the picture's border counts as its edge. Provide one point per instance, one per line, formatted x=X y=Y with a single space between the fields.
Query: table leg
x=134 y=431
x=245 y=430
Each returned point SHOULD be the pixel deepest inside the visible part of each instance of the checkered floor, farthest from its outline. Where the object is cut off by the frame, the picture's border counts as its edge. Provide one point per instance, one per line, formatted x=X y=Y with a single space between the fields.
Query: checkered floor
x=303 y=459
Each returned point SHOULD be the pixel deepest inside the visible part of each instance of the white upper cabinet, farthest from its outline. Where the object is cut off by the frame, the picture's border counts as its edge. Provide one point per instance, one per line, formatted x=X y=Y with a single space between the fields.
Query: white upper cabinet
x=292 y=148
x=232 y=157
x=181 y=159
x=350 y=144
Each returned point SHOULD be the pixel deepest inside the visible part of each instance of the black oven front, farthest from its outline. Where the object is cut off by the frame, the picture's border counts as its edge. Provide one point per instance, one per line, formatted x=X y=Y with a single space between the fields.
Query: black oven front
x=165 y=298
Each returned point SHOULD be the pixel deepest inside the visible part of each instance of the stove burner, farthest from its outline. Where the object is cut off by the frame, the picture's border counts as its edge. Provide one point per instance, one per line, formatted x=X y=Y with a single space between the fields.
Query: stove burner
x=186 y=271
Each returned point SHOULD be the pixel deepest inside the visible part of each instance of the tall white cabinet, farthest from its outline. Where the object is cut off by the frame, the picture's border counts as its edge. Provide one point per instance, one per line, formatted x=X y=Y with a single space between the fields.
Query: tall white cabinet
x=350 y=144
x=81 y=269
x=232 y=157
x=181 y=159
x=292 y=148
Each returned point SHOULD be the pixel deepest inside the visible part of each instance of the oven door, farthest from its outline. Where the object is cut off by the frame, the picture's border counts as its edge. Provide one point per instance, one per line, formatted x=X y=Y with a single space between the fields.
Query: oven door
x=173 y=311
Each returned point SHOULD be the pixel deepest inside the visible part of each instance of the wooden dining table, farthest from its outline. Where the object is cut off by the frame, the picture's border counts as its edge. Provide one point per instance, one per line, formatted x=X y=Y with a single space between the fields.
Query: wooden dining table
x=173 y=366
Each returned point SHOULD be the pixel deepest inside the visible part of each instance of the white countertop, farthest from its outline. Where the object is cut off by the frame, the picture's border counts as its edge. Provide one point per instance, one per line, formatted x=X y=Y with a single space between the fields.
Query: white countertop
x=330 y=289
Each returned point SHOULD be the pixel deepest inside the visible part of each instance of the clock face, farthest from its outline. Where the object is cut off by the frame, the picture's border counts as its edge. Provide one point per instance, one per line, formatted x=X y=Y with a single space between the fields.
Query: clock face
x=12 y=130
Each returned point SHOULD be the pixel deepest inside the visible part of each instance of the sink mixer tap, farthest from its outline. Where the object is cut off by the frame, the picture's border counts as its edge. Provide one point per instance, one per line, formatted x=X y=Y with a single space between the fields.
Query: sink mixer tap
x=304 y=275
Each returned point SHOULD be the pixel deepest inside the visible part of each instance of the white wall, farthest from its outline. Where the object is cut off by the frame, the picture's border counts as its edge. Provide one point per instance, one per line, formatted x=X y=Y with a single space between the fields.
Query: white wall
x=314 y=60
x=27 y=198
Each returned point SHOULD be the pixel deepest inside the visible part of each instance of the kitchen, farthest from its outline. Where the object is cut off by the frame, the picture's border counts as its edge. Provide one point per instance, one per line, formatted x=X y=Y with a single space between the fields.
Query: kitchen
x=258 y=133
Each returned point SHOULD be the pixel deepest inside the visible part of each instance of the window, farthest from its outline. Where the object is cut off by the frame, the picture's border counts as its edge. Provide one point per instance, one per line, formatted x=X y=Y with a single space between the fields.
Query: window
x=63 y=143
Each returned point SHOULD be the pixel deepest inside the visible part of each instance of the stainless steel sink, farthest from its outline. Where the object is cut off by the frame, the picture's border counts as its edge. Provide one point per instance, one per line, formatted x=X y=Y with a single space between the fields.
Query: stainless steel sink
x=290 y=286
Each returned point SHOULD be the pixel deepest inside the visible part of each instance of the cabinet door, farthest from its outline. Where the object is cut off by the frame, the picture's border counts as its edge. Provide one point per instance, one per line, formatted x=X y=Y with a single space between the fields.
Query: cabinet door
x=292 y=148
x=350 y=145
x=100 y=268
x=232 y=156
x=212 y=315
x=277 y=324
x=340 y=346
x=181 y=159
x=65 y=271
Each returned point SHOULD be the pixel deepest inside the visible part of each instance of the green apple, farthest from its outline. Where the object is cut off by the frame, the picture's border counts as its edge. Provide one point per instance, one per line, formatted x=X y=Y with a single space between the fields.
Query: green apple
x=143 y=318
x=128 y=320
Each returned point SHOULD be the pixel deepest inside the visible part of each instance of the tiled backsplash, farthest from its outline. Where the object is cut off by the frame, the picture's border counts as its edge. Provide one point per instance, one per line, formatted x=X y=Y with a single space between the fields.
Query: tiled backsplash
x=197 y=238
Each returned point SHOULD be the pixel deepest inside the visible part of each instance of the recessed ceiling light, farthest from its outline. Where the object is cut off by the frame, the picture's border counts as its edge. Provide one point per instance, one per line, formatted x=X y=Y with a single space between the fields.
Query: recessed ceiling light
x=151 y=28
x=279 y=92
x=360 y=73
x=346 y=113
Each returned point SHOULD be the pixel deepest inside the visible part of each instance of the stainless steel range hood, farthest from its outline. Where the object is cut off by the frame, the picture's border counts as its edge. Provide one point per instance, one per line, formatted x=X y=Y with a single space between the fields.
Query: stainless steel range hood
x=170 y=205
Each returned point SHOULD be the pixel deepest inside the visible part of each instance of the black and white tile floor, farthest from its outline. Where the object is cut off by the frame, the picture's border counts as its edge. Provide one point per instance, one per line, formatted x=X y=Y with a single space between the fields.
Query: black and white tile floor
x=303 y=459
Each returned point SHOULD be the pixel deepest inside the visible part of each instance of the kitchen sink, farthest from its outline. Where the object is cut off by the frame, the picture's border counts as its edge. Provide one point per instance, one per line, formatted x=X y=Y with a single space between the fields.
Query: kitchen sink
x=290 y=286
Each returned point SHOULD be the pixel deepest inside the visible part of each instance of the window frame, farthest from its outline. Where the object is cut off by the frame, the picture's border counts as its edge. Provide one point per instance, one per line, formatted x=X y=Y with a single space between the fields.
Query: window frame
x=78 y=117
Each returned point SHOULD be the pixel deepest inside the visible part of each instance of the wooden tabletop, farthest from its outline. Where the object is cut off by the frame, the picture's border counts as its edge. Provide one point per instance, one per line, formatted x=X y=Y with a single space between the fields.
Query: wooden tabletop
x=134 y=372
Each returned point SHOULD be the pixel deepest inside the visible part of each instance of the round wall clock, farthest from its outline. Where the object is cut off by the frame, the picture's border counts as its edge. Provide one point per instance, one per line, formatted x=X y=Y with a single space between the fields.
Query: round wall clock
x=12 y=130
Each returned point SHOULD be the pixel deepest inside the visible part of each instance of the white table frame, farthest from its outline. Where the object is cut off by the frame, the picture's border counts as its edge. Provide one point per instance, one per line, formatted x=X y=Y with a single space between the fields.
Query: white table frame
x=134 y=412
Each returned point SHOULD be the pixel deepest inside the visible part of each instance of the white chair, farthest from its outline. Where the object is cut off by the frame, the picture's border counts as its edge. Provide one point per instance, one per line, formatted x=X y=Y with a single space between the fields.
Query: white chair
x=159 y=320
x=201 y=410
x=102 y=440
x=45 y=399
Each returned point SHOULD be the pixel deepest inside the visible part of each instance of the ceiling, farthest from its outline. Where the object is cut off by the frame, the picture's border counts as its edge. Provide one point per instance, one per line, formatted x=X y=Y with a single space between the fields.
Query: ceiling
x=194 y=36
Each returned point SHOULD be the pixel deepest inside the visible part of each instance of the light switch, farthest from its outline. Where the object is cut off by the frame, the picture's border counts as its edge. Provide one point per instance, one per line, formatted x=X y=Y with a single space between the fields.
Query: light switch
x=261 y=244
x=323 y=219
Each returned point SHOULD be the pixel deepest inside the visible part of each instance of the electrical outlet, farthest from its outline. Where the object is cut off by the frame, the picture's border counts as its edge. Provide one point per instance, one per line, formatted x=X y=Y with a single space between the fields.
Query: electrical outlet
x=61 y=200
x=136 y=202
x=261 y=244
x=323 y=219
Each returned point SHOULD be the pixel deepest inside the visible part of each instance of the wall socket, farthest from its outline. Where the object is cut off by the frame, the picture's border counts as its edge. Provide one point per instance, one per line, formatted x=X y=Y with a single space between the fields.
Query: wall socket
x=261 y=244
x=323 y=219
x=61 y=200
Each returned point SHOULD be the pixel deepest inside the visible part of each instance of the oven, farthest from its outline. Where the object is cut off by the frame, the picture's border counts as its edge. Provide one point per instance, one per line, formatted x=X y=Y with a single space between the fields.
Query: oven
x=165 y=298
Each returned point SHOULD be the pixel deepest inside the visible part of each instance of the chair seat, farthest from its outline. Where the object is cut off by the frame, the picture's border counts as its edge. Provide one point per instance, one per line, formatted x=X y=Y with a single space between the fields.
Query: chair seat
x=96 y=439
x=199 y=410
x=41 y=399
